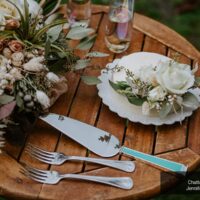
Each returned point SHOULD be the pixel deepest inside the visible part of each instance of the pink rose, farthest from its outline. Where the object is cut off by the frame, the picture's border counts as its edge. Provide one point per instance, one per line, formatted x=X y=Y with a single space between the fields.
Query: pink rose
x=15 y=46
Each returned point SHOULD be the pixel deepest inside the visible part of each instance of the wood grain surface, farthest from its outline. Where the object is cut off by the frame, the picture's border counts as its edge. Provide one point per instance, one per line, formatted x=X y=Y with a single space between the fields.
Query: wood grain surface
x=178 y=142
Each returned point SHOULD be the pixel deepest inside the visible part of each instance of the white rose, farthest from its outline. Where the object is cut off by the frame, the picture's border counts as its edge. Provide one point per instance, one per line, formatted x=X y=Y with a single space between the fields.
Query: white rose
x=147 y=74
x=175 y=77
x=157 y=94
x=17 y=56
x=35 y=64
x=43 y=99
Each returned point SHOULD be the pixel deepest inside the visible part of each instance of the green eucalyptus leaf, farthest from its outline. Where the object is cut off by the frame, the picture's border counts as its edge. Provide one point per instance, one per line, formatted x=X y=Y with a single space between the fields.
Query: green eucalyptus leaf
x=19 y=102
x=165 y=110
x=54 y=32
x=97 y=54
x=43 y=30
x=190 y=100
x=86 y=43
x=119 y=86
x=4 y=99
x=91 y=80
x=78 y=33
x=135 y=100
x=81 y=64
x=115 y=86
x=49 y=6
x=26 y=16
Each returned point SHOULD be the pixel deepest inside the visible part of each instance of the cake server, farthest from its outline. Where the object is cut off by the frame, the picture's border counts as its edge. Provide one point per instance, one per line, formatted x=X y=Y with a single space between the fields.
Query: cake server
x=103 y=143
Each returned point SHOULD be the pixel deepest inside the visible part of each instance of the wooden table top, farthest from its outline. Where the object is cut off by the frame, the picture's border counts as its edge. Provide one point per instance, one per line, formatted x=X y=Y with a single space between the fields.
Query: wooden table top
x=178 y=142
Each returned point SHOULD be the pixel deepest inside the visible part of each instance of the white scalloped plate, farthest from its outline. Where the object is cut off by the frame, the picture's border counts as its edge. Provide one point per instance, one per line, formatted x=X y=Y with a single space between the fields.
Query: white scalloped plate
x=119 y=104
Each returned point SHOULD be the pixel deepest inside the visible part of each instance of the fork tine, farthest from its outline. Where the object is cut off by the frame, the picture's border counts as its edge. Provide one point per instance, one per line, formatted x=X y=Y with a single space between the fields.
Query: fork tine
x=38 y=172
x=38 y=150
x=36 y=177
x=32 y=176
x=41 y=158
x=37 y=154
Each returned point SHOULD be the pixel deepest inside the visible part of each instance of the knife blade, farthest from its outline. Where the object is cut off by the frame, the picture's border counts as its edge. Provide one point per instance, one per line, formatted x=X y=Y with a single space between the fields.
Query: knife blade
x=103 y=143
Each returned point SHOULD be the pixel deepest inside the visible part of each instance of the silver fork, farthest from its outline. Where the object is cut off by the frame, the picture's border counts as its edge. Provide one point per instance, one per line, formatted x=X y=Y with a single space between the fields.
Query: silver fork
x=56 y=158
x=53 y=177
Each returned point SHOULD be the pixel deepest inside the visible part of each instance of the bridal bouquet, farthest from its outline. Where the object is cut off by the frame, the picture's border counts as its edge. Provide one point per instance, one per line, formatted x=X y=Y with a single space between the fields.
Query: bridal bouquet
x=34 y=50
x=162 y=89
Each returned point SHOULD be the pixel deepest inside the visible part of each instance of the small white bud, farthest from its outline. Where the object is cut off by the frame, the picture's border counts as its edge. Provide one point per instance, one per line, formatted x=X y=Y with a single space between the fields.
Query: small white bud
x=43 y=99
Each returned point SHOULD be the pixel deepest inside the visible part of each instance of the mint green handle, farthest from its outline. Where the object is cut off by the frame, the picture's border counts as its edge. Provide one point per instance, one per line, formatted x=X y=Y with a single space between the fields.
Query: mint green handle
x=164 y=163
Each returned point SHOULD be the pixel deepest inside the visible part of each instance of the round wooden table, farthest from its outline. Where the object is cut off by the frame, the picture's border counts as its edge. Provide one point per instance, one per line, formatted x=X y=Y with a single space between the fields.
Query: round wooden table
x=178 y=142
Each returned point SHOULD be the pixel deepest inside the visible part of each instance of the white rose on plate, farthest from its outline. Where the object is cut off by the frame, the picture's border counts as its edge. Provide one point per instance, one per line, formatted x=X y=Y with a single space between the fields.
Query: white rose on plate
x=176 y=78
x=157 y=94
x=147 y=74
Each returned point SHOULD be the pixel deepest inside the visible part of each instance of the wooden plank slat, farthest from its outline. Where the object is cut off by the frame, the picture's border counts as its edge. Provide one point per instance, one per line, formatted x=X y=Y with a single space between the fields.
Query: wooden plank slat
x=140 y=137
x=171 y=137
x=152 y=45
x=13 y=183
x=194 y=133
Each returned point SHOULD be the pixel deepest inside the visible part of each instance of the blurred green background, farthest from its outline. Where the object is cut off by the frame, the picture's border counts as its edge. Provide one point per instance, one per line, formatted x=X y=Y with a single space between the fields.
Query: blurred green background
x=181 y=15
